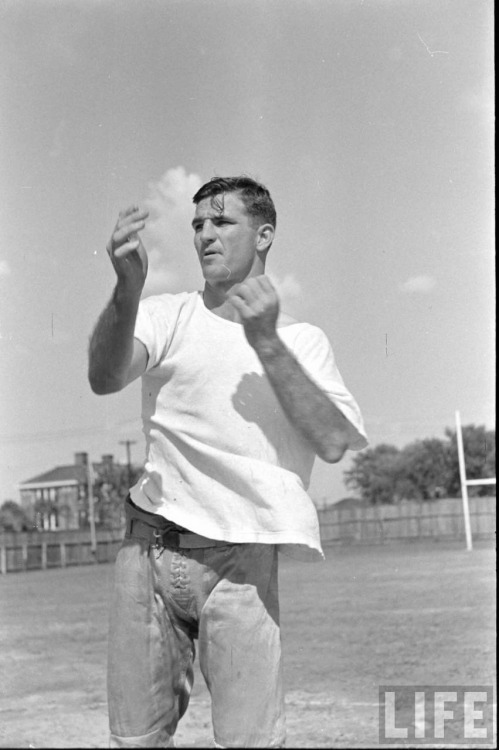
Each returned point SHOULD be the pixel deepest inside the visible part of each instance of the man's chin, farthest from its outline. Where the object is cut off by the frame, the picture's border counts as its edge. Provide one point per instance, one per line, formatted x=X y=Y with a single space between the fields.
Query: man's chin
x=218 y=277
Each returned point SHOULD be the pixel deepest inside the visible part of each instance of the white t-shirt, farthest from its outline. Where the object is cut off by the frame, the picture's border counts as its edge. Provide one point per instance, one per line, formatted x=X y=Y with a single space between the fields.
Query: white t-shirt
x=222 y=458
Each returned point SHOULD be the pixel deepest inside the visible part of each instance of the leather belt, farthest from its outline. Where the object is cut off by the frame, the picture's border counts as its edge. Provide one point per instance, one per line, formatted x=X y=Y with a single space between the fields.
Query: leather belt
x=137 y=529
x=160 y=532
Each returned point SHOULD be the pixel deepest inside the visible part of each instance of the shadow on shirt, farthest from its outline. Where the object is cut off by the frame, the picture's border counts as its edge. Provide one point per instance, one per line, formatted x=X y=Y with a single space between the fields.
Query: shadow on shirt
x=256 y=402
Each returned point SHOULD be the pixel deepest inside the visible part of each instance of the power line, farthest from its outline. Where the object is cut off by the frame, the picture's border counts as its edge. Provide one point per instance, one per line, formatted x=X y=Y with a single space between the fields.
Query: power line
x=34 y=437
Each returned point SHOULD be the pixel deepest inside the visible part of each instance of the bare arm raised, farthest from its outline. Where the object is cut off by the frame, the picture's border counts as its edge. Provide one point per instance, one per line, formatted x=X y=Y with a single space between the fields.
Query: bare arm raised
x=115 y=357
x=308 y=408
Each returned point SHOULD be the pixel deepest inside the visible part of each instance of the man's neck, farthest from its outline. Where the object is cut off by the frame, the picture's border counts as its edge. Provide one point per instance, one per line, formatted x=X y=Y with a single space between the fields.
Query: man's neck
x=217 y=301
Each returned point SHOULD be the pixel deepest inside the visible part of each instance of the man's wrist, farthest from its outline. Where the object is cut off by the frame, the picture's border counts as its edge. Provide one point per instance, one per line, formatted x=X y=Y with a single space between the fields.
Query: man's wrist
x=269 y=347
x=126 y=292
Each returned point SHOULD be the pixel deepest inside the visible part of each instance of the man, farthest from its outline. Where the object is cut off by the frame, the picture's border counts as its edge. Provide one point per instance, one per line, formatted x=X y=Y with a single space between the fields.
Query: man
x=237 y=399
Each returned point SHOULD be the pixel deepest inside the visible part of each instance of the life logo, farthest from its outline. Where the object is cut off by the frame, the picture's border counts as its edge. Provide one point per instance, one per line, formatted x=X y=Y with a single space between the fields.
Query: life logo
x=429 y=714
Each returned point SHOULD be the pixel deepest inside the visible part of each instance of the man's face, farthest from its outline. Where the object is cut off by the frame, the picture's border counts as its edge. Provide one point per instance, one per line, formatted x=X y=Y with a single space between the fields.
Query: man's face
x=225 y=238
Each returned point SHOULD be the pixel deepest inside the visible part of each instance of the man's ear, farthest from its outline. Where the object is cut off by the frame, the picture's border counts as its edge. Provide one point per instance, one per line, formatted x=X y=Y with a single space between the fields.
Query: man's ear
x=265 y=237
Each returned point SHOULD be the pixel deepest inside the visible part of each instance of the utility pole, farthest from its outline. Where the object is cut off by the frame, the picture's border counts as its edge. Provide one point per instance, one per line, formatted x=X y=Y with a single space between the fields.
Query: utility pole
x=91 y=514
x=128 y=443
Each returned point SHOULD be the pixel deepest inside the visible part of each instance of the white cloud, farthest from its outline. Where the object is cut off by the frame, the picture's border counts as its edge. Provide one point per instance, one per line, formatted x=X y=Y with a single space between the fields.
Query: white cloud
x=289 y=290
x=168 y=235
x=4 y=268
x=418 y=285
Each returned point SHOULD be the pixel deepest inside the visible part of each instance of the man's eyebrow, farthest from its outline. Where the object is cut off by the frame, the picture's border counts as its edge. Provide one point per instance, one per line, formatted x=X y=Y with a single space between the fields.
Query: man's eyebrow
x=218 y=217
x=198 y=220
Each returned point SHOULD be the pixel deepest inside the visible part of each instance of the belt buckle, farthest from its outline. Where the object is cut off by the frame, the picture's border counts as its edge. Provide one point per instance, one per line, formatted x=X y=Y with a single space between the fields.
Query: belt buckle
x=166 y=538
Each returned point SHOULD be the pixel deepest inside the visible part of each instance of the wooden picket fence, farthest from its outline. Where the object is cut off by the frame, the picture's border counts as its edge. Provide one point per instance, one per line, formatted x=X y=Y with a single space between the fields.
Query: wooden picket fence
x=439 y=520
x=56 y=549
x=356 y=523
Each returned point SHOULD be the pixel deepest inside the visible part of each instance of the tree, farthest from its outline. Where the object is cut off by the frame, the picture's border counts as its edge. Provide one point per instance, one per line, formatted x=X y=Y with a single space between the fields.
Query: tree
x=111 y=486
x=375 y=473
x=424 y=469
x=13 y=517
x=479 y=457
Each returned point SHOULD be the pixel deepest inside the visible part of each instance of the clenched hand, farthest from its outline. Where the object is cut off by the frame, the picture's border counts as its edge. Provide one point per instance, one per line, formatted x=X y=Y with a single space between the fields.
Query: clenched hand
x=257 y=303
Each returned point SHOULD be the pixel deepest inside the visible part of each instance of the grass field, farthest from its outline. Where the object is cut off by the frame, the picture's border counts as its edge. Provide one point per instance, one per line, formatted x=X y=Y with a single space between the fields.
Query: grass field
x=395 y=614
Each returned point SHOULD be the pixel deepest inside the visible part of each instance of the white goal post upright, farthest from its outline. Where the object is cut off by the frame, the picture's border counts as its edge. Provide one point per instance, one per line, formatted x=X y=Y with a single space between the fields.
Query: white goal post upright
x=465 y=483
x=464 y=486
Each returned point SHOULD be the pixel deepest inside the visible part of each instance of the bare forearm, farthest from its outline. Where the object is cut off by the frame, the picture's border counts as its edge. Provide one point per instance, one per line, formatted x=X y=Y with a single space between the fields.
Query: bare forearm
x=111 y=343
x=313 y=414
x=113 y=360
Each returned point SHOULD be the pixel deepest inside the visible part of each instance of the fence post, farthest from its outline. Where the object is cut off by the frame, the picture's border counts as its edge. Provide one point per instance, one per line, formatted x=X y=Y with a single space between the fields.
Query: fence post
x=380 y=522
x=24 y=548
x=420 y=513
x=359 y=521
x=44 y=555
x=3 y=560
x=63 y=554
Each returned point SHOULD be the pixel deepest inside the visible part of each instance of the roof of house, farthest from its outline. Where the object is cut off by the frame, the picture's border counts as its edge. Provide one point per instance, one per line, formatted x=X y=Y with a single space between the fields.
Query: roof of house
x=347 y=502
x=73 y=474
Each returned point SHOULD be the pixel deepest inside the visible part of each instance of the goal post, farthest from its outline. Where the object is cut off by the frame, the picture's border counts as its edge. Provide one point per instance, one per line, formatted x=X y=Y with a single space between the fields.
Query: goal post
x=465 y=483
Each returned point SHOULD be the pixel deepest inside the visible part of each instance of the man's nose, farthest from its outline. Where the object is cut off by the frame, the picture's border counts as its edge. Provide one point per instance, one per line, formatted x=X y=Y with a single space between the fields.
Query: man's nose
x=208 y=232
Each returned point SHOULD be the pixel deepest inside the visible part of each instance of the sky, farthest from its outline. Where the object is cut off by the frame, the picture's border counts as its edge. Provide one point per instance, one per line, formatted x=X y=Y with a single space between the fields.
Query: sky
x=370 y=121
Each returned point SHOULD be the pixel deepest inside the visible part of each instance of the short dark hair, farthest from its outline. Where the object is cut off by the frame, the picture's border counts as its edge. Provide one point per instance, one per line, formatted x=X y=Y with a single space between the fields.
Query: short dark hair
x=254 y=195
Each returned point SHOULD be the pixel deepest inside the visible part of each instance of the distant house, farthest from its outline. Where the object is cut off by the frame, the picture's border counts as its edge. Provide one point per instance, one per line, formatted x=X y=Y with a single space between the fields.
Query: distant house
x=58 y=499
x=350 y=502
